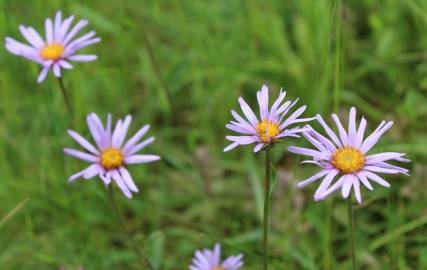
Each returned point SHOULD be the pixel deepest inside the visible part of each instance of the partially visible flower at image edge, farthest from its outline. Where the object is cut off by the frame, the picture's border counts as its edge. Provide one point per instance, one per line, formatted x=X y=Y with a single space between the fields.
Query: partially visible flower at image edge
x=211 y=260
x=346 y=156
x=110 y=157
x=59 y=47
x=272 y=124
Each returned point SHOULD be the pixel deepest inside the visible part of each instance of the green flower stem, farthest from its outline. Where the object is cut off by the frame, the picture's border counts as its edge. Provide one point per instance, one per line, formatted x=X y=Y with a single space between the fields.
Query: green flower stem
x=135 y=245
x=266 y=206
x=66 y=97
x=351 y=231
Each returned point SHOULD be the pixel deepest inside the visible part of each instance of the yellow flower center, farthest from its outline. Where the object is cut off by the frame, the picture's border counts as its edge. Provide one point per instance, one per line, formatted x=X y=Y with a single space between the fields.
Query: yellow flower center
x=218 y=268
x=348 y=160
x=52 y=52
x=267 y=130
x=111 y=158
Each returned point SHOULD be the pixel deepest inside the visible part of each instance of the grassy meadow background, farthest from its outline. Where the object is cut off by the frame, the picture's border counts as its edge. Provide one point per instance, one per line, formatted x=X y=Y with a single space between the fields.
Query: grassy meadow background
x=180 y=66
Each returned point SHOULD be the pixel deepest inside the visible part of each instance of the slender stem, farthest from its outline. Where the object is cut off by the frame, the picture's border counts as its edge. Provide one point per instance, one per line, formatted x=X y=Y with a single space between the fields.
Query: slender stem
x=266 y=206
x=135 y=245
x=66 y=97
x=351 y=231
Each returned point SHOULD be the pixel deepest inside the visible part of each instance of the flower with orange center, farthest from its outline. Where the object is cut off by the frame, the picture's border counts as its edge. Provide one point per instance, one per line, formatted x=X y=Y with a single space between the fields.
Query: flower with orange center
x=346 y=155
x=111 y=155
x=272 y=126
x=58 y=48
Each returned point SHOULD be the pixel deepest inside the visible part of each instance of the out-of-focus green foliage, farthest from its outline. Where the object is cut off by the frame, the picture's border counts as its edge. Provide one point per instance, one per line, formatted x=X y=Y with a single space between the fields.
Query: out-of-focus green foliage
x=180 y=66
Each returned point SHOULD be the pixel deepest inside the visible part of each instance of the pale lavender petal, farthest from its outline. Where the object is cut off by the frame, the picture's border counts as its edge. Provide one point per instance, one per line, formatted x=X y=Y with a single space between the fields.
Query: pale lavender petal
x=75 y=30
x=313 y=178
x=65 y=64
x=82 y=57
x=380 y=169
x=258 y=147
x=372 y=159
x=329 y=131
x=57 y=27
x=127 y=178
x=134 y=159
x=376 y=178
x=357 y=193
x=276 y=104
x=96 y=129
x=324 y=185
x=121 y=134
x=64 y=29
x=238 y=129
x=81 y=155
x=314 y=142
x=305 y=151
x=248 y=112
x=121 y=184
x=360 y=133
x=48 y=30
x=242 y=121
x=364 y=180
x=346 y=187
x=135 y=138
x=139 y=146
x=43 y=74
x=325 y=141
x=34 y=40
x=337 y=185
x=106 y=178
x=231 y=146
x=83 y=142
x=87 y=173
x=393 y=167
x=374 y=137
x=56 y=70
x=242 y=139
x=216 y=254
x=263 y=102
x=292 y=118
x=341 y=130
x=352 y=127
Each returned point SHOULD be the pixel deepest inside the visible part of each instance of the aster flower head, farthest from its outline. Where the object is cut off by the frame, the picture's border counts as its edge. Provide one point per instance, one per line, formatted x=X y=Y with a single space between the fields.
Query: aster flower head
x=58 y=49
x=211 y=260
x=110 y=155
x=270 y=127
x=347 y=156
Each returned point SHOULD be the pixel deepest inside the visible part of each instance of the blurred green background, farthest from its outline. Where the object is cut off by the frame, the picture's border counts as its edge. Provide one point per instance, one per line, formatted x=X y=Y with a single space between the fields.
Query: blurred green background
x=180 y=66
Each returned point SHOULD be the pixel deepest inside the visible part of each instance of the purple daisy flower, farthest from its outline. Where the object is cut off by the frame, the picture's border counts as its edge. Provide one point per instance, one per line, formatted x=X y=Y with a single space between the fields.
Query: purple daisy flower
x=211 y=260
x=272 y=124
x=346 y=156
x=58 y=49
x=110 y=157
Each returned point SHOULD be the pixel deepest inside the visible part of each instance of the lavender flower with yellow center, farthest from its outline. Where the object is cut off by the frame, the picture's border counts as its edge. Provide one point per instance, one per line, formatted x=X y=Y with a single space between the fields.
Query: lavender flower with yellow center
x=111 y=156
x=272 y=124
x=347 y=156
x=211 y=260
x=59 y=47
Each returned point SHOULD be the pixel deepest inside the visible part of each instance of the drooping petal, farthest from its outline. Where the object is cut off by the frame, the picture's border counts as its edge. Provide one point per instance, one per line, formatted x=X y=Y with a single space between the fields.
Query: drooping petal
x=324 y=185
